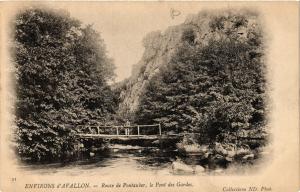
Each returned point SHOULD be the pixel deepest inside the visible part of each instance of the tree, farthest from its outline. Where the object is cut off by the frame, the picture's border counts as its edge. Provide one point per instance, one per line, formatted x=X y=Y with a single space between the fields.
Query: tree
x=216 y=89
x=62 y=72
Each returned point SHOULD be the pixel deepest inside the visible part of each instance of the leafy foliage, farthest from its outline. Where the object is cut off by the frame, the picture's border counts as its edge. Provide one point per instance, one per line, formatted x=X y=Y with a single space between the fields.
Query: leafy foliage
x=62 y=72
x=216 y=89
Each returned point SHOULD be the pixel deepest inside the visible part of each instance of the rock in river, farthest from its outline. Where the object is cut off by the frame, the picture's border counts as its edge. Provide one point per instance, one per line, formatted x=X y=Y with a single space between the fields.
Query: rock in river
x=180 y=167
x=199 y=169
x=92 y=154
x=248 y=157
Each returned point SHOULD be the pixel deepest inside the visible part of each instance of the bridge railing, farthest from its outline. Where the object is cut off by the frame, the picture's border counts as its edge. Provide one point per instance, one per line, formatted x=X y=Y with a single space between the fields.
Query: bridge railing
x=122 y=129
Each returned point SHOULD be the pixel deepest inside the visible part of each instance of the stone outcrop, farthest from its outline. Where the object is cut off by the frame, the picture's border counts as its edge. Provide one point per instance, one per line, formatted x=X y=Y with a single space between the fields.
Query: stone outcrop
x=159 y=48
x=158 y=52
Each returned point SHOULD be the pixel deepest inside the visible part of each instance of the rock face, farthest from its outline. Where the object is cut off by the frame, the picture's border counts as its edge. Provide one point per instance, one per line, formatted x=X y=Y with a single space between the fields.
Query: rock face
x=160 y=47
x=158 y=51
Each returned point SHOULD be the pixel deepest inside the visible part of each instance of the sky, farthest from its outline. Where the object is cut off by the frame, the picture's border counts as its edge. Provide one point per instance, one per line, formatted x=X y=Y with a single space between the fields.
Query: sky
x=124 y=25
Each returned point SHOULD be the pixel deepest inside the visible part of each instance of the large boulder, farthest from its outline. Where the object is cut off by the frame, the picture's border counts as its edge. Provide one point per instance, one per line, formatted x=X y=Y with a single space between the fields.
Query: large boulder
x=199 y=169
x=179 y=167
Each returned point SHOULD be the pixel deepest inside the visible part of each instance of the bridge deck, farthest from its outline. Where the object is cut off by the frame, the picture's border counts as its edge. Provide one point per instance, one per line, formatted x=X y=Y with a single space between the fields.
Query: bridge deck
x=125 y=137
x=94 y=132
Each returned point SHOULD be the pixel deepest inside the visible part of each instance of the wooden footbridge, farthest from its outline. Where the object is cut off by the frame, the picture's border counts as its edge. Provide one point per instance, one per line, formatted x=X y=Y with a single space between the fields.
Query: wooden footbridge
x=126 y=132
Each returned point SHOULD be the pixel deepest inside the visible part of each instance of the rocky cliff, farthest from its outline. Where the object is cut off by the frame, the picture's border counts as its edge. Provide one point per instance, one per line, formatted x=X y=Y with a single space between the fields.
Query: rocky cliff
x=158 y=51
x=161 y=46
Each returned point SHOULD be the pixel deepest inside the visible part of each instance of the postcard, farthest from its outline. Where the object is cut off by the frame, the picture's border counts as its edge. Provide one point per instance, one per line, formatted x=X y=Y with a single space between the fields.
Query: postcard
x=149 y=96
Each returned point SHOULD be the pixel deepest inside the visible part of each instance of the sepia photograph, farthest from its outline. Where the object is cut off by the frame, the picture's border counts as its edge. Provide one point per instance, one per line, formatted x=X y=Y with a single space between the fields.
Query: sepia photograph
x=143 y=96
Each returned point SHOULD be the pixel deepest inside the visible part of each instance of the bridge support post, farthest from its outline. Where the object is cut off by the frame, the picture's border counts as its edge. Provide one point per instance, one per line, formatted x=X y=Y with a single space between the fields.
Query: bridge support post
x=98 y=131
x=117 y=130
x=159 y=127
x=138 y=129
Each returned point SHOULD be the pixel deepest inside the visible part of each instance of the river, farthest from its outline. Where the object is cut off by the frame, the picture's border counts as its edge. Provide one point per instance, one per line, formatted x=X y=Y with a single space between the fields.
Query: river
x=117 y=158
x=121 y=158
